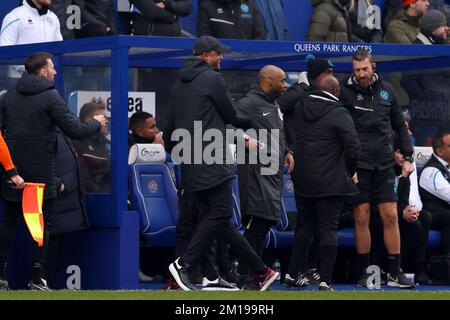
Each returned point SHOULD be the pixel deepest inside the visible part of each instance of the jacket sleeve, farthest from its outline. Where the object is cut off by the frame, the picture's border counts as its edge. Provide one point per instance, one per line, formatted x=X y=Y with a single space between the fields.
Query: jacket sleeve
x=181 y=8
x=151 y=11
x=288 y=104
x=203 y=24
x=10 y=30
x=57 y=36
x=403 y=189
x=259 y=30
x=398 y=124
x=86 y=16
x=349 y=139
x=319 y=25
x=395 y=33
x=69 y=124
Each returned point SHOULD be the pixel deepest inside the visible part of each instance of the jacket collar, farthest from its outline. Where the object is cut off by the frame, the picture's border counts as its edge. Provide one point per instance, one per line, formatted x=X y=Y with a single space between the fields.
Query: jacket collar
x=442 y=161
x=32 y=7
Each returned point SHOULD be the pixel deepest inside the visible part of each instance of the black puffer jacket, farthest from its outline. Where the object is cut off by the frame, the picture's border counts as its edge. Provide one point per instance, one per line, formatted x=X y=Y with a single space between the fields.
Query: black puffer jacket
x=30 y=112
x=231 y=19
x=376 y=114
x=69 y=213
x=327 y=147
x=97 y=11
x=60 y=9
x=201 y=94
x=151 y=20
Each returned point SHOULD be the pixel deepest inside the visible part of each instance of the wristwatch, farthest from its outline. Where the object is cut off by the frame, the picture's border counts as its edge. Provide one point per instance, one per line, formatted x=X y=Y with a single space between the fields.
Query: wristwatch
x=409 y=159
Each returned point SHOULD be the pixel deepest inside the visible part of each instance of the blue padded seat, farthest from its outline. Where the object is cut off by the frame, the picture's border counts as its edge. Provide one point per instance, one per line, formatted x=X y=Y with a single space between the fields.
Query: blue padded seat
x=154 y=196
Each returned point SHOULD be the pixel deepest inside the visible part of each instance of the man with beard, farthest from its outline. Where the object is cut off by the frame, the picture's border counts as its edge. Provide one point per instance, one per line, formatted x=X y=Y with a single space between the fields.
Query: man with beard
x=377 y=114
x=261 y=194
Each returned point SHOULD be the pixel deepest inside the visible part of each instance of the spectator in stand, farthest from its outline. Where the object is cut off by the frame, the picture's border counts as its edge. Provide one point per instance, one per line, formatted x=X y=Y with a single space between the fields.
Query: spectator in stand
x=159 y=17
x=93 y=152
x=59 y=7
x=434 y=186
x=272 y=14
x=97 y=18
x=404 y=26
x=330 y=21
x=231 y=19
x=364 y=26
x=433 y=28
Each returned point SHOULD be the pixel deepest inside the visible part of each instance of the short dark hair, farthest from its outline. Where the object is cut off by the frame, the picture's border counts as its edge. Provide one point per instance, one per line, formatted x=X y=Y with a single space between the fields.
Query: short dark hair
x=90 y=108
x=438 y=139
x=138 y=119
x=362 y=54
x=37 y=61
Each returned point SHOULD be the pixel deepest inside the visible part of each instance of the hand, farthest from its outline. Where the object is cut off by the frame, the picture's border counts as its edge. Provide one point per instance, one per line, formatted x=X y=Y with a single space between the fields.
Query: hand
x=17 y=182
x=108 y=29
x=289 y=160
x=407 y=169
x=399 y=158
x=411 y=214
x=161 y=4
x=62 y=188
x=251 y=144
x=355 y=178
x=158 y=139
x=102 y=119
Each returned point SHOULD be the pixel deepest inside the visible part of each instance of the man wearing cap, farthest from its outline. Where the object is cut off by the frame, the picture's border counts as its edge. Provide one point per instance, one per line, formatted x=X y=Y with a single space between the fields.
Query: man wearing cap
x=433 y=28
x=199 y=102
x=404 y=27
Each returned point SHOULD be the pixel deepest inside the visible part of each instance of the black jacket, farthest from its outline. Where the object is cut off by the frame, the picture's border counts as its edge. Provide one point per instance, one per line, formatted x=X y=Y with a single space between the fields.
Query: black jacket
x=94 y=157
x=231 y=19
x=60 y=9
x=152 y=20
x=261 y=194
x=30 y=112
x=327 y=147
x=69 y=213
x=376 y=114
x=298 y=91
x=134 y=139
x=98 y=12
x=201 y=94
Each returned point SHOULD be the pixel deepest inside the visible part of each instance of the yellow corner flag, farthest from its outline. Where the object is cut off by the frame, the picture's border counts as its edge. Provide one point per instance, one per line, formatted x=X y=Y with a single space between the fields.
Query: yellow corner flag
x=33 y=195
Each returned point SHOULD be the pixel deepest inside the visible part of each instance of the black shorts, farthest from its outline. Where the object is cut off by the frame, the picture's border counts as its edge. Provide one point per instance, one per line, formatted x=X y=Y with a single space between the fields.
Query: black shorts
x=375 y=187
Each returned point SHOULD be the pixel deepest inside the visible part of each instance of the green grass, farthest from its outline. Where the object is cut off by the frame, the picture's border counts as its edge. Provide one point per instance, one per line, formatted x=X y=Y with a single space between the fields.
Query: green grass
x=242 y=295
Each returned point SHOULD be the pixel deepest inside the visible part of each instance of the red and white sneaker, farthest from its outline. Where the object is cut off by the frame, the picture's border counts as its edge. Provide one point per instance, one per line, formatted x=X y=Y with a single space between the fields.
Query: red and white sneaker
x=263 y=281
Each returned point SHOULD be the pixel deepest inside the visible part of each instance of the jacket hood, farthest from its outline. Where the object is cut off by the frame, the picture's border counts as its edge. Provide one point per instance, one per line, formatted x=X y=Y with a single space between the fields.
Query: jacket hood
x=30 y=85
x=315 y=3
x=318 y=104
x=192 y=69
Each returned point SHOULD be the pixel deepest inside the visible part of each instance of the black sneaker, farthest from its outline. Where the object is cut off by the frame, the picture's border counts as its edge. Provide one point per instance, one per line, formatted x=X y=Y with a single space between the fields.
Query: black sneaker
x=325 y=286
x=400 y=281
x=232 y=277
x=288 y=281
x=181 y=274
x=313 y=276
x=300 y=282
x=365 y=282
x=39 y=286
x=4 y=285
x=423 y=278
x=218 y=285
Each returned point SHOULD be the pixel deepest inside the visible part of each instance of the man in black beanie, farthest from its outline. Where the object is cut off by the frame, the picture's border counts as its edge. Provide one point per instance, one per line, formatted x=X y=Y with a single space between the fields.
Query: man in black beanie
x=316 y=70
x=433 y=28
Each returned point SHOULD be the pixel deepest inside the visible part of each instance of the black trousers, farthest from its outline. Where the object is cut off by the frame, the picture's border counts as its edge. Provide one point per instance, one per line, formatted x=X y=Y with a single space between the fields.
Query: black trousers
x=215 y=208
x=12 y=215
x=54 y=258
x=323 y=214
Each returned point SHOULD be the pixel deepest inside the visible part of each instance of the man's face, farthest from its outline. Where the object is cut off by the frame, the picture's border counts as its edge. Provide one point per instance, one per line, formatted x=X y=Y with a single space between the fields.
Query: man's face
x=149 y=130
x=444 y=150
x=214 y=59
x=49 y=72
x=363 y=71
x=421 y=6
x=441 y=32
x=43 y=2
x=277 y=84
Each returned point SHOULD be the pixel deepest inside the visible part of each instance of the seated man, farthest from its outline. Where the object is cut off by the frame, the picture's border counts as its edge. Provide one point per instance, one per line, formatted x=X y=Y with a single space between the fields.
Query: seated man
x=143 y=129
x=434 y=186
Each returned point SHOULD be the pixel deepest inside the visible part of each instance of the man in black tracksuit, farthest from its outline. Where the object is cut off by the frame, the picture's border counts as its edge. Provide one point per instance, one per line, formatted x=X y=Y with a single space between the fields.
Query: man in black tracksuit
x=200 y=102
x=159 y=17
x=97 y=18
x=326 y=156
x=30 y=113
x=230 y=19
x=261 y=193
x=377 y=114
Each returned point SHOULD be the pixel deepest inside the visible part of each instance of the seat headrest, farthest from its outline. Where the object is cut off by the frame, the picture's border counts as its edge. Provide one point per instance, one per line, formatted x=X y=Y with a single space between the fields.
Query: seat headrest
x=147 y=153
x=422 y=155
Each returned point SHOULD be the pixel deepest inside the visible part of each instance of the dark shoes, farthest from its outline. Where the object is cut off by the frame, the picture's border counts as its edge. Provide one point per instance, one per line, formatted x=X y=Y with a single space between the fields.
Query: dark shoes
x=400 y=281
x=182 y=275
x=324 y=286
x=218 y=285
x=41 y=285
x=4 y=285
x=300 y=282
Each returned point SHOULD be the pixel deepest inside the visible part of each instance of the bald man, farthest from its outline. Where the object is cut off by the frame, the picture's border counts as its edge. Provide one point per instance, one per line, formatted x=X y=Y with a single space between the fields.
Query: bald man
x=326 y=155
x=261 y=193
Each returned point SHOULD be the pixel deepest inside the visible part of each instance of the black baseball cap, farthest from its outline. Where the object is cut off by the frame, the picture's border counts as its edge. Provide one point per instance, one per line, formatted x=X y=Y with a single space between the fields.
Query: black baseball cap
x=207 y=44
